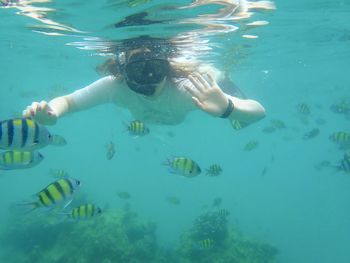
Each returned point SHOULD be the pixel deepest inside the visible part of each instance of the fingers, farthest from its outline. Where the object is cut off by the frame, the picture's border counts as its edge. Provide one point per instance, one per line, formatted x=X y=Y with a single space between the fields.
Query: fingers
x=199 y=82
x=203 y=81
x=197 y=103
x=194 y=92
x=34 y=108
x=211 y=81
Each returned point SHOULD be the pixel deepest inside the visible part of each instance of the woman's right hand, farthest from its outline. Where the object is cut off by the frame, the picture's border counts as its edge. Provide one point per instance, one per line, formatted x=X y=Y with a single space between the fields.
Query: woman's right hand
x=41 y=112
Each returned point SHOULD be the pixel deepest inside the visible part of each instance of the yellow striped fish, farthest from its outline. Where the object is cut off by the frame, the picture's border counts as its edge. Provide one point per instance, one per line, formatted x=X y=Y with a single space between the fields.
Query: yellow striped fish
x=223 y=212
x=340 y=137
x=23 y=134
x=84 y=212
x=183 y=166
x=59 y=173
x=206 y=243
x=11 y=160
x=238 y=125
x=56 y=193
x=251 y=145
x=137 y=128
x=214 y=170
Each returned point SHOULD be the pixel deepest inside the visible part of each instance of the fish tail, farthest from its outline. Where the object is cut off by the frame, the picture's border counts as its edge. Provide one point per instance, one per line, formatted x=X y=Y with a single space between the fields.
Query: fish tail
x=31 y=206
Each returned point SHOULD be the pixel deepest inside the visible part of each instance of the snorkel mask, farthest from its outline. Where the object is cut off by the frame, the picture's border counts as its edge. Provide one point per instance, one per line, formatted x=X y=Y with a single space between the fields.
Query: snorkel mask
x=144 y=70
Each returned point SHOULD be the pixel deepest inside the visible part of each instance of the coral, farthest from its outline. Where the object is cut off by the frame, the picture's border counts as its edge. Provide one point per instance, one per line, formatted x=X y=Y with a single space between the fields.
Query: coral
x=229 y=244
x=122 y=236
x=102 y=239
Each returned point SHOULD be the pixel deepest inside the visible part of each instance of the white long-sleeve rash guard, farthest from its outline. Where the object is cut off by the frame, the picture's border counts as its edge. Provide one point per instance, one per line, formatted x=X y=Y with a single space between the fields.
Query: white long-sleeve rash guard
x=170 y=107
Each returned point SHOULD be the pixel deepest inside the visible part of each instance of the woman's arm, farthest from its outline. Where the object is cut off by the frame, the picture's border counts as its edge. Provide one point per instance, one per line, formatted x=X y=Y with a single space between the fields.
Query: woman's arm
x=207 y=95
x=99 y=92
x=246 y=110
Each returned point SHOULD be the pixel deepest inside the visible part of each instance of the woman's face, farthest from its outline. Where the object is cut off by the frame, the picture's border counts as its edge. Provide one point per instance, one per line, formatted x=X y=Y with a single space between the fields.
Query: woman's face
x=145 y=74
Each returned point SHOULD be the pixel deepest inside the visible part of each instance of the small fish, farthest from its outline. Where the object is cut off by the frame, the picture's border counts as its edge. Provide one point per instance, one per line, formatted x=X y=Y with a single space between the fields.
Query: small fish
x=341 y=138
x=264 y=171
x=55 y=194
x=214 y=170
x=59 y=173
x=223 y=212
x=303 y=108
x=278 y=124
x=251 y=145
x=217 y=202
x=207 y=243
x=173 y=200
x=238 y=125
x=311 y=134
x=123 y=195
x=342 y=107
x=344 y=165
x=322 y=165
x=58 y=140
x=11 y=160
x=137 y=128
x=110 y=150
x=84 y=212
x=23 y=134
x=184 y=166
x=269 y=129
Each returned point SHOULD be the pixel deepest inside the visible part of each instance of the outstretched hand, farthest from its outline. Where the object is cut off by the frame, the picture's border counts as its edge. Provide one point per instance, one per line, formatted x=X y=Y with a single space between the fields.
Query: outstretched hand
x=41 y=112
x=207 y=95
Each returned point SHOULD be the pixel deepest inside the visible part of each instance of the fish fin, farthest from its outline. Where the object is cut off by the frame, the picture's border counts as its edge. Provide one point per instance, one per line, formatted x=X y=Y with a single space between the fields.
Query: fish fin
x=172 y=170
x=57 y=140
x=32 y=206
x=229 y=87
x=68 y=203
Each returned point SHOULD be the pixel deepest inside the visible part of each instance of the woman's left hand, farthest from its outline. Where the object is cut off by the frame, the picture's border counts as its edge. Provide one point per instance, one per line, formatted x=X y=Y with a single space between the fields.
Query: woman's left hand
x=207 y=95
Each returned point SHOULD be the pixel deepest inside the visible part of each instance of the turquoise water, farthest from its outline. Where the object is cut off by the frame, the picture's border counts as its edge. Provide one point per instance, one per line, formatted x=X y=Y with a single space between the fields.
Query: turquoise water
x=275 y=193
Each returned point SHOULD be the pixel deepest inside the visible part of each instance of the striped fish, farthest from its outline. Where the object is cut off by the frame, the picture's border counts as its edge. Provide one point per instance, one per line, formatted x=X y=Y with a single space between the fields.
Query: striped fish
x=137 y=128
x=344 y=164
x=59 y=173
x=56 y=193
x=11 y=160
x=223 y=212
x=206 y=243
x=183 y=166
x=303 y=108
x=238 y=125
x=84 y=212
x=342 y=138
x=23 y=134
x=214 y=170
x=251 y=145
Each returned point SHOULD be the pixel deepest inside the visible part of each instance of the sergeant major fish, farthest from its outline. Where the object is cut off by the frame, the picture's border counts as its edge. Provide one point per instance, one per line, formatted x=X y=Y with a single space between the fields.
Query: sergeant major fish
x=55 y=194
x=84 y=212
x=137 y=128
x=11 y=160
x=341 y=138
x=183 y=166
x=23 y=134
x=214 y=170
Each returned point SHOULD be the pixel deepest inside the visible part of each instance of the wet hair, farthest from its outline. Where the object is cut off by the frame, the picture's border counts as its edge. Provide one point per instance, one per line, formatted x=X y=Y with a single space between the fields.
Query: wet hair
x=146 y=48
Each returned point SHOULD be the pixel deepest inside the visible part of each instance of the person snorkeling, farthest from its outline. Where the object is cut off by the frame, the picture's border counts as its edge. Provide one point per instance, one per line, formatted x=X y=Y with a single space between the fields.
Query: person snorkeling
x=150 y=79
